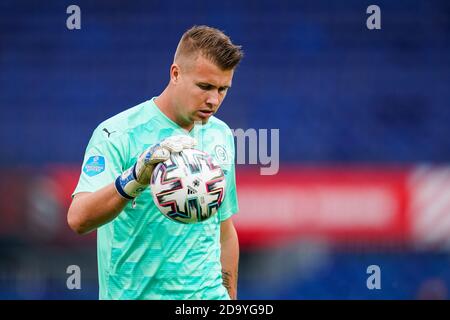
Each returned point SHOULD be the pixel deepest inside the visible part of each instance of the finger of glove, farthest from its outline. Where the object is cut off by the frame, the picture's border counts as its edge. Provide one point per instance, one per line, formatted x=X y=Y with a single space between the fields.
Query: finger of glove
x=184 y=140
x=188 y=142
x=172 y=145
x=153 y=155
x=160 y=154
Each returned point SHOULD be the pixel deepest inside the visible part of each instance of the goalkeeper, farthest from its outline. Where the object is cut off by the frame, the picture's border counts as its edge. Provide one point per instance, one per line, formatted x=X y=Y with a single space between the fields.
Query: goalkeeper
x=141 y=253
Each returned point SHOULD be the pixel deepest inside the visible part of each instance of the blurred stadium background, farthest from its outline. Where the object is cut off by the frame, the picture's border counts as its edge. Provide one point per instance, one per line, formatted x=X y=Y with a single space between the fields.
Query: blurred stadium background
x=364 y=138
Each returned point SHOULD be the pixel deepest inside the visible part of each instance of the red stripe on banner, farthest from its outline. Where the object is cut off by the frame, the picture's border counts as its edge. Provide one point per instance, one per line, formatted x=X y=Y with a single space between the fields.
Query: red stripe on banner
x=338 y=204
x=66 y=179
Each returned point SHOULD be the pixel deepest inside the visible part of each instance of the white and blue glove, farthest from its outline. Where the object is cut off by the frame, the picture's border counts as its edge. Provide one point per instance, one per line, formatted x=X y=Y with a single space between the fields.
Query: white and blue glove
x=134 y=180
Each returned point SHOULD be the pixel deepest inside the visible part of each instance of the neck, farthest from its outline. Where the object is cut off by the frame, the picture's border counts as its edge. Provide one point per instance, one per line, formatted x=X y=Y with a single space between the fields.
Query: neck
x=167 y=106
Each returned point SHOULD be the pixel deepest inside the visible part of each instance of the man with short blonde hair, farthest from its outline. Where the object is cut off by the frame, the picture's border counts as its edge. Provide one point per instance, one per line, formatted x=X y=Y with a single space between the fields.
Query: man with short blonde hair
x=211 y=44
x=141 y=253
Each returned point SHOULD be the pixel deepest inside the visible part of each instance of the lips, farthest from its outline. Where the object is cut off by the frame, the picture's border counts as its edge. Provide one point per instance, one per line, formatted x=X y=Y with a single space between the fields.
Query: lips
x=205 y=113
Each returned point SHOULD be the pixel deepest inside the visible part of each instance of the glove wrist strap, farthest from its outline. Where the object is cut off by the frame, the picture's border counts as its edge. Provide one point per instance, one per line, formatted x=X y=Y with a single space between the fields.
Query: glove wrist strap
x=127 y=186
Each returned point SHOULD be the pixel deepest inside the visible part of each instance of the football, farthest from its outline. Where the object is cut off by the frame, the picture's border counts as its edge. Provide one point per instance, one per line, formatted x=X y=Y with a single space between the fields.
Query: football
x=189 y=187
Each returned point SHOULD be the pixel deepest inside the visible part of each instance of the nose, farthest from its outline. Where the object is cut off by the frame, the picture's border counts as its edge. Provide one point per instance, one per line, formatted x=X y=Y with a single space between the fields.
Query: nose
x=213 y=99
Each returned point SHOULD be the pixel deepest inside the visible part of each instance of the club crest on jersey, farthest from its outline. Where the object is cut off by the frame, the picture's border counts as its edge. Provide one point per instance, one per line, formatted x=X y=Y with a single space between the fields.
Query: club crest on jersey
x=94 y=165
x=221 y=154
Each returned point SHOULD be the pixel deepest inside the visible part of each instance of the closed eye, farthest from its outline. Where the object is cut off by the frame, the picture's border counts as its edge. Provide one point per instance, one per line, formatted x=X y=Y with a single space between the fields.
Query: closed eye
x=208 y=87
x=205 y=86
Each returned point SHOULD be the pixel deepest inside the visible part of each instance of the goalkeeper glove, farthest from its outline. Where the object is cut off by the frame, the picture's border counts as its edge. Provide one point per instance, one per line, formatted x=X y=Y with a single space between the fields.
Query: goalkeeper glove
x=134 y=180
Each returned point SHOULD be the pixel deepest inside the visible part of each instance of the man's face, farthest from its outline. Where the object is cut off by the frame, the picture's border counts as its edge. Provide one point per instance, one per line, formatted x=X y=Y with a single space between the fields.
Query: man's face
x=200 y=90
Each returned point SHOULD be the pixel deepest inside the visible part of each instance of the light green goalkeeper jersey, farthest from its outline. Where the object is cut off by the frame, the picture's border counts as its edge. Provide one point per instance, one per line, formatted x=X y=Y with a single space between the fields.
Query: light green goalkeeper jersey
x=141 y=253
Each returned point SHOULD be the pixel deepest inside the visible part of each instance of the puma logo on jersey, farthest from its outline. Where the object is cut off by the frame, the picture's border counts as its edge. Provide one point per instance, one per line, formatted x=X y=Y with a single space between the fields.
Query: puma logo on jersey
x=109 y=133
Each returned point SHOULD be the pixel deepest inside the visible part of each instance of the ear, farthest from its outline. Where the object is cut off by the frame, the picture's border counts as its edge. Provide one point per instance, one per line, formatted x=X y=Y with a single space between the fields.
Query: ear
x=174 y=73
